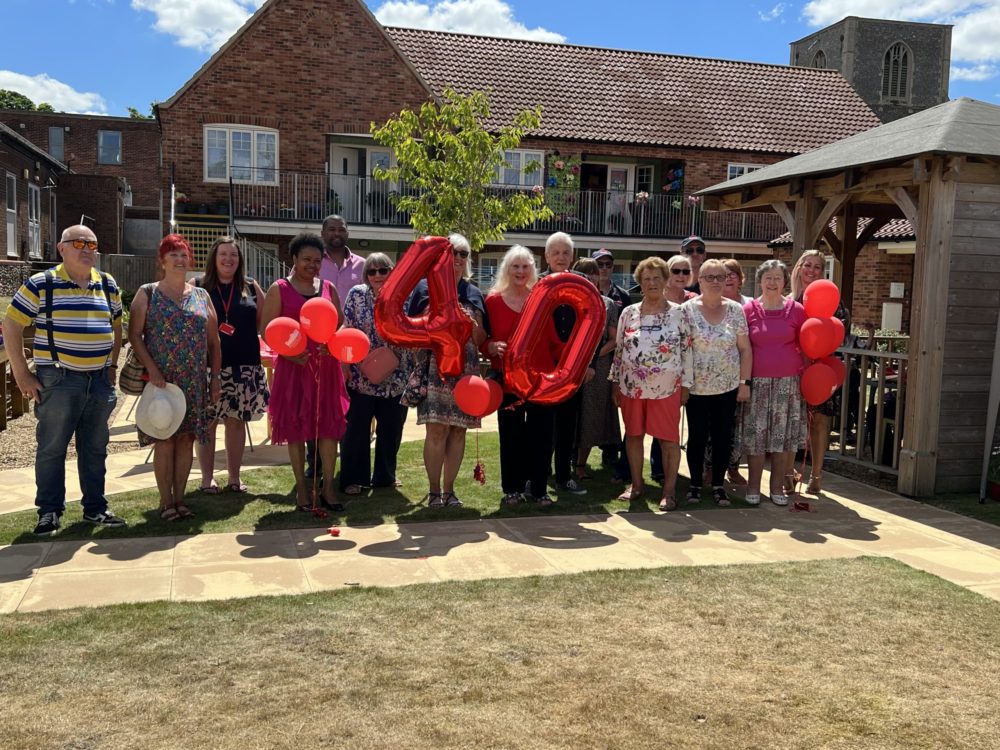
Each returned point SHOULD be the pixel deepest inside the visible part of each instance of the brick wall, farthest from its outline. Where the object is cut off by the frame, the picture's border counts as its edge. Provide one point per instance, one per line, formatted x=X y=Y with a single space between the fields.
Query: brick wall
x=17 y=160
x=100 y=198
x=140 y=139
x=307 y=68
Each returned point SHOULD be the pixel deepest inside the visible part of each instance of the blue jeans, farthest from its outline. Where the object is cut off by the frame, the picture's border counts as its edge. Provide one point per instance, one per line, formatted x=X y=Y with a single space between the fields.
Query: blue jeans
x=77 y=403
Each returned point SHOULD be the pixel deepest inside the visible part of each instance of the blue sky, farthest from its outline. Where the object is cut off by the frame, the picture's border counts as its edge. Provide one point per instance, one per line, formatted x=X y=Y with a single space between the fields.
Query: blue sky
x=106 y=55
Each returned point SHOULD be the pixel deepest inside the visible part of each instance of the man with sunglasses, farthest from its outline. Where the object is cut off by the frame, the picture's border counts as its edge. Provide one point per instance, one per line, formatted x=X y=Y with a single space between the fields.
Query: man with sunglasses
x=344 y=270
x=694 y=248
x=77 y=314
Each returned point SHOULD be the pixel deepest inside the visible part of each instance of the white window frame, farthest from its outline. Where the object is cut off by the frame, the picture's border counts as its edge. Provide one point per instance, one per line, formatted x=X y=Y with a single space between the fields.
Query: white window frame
x=53 y=224
x=34 y=221
x=61 y=156
x=255 y=170
x=526 y=156
x=121 y=147
x=736 y=169
x=10 y=199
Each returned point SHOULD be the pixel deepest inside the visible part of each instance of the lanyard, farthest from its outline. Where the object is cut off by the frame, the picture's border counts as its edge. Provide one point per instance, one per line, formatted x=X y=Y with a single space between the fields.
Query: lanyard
x=226 y=303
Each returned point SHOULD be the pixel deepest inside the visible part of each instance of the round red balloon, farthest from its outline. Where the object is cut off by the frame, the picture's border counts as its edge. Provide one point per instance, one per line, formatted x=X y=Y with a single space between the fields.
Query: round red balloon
x=472 y=394
x=818 y=383
x=837 y=365
x=319 y=319
x=284 y=335
x=496 y=396
x=821 y=299
x=819 y=337
x=349 y=345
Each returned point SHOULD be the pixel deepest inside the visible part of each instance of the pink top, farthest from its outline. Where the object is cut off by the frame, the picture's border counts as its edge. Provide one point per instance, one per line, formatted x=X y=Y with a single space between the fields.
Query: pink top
x=345 y=276
x=774 y=336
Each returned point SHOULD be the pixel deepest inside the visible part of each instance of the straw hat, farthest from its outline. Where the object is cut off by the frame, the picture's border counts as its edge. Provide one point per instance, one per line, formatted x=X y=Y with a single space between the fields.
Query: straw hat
x=160 y=411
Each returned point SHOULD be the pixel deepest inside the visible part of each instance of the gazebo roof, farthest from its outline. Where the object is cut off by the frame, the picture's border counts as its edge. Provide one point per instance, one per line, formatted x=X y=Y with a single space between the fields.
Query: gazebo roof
x=961 y=126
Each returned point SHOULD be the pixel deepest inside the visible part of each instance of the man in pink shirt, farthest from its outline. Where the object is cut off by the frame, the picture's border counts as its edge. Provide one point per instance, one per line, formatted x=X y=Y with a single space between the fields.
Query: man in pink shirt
x=340 y=266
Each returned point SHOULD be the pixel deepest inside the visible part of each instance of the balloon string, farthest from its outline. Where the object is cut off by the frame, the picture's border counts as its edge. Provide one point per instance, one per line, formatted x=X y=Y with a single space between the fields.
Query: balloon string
x=316 y=371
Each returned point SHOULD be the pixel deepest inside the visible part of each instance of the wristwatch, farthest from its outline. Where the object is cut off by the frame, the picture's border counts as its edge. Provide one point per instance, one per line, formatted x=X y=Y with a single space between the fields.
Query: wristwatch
x=745 y=382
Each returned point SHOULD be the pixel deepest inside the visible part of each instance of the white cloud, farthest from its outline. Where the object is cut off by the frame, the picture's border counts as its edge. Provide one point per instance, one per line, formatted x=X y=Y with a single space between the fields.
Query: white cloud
x=772 y=14
x=486 y=17
x=63 y=97
x=982 y=72
x=973 y=40
x=201 y=24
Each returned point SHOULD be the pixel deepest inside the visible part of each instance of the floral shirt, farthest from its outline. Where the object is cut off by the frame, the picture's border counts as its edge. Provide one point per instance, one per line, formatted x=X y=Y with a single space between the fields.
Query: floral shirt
x=359 y=312
x=715 y=359
x=649 y=357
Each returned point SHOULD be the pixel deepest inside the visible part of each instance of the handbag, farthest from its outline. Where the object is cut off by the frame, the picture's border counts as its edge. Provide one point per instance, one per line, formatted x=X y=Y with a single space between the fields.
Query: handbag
x=132 y=378
x=379 y=364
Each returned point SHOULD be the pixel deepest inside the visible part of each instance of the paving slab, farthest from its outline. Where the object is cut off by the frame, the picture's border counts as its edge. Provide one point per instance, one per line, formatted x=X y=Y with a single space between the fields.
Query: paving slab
x=96 y=588
x=238 y=579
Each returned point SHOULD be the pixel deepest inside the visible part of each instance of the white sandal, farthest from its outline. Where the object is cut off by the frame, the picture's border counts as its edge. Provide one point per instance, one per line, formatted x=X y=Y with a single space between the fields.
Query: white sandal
x=779 y=499
x=753 y=499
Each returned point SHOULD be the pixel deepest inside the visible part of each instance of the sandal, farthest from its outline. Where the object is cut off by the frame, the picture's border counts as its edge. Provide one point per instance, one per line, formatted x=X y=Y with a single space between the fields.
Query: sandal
x=236 y=487
x=303 y=508
x=434 y=500
x=631 y=495
x=169 y=514
x=814 y=486
x=545 y=501
x=791 y=482
x=451 y=500
x=511 y=498
x=735 y=478
x=694 y=495
x=212 y=489
x=719 y=493
x=185 y=512
x=667 y=502
x=353 y=489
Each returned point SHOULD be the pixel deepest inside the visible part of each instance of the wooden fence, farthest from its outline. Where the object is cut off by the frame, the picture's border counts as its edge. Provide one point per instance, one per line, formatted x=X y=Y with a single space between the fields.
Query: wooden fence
x=130 y=271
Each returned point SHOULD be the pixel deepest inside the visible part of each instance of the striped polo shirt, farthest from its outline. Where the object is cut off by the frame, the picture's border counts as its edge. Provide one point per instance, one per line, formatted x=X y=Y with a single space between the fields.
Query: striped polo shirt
x=82 y=322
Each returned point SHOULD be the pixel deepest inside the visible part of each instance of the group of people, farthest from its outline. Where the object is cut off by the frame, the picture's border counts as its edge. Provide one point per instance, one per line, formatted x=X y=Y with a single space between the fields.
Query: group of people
x=692 y=341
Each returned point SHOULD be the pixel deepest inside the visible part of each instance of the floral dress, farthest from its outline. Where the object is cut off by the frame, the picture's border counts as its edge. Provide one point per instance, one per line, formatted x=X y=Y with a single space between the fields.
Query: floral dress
x=176 y=336
x=649 y=360
x=359 y=312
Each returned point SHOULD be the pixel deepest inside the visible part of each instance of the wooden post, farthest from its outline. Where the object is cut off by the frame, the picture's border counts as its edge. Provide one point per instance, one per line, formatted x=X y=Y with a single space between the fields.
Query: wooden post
x=806 y=212
x=918 y=457
x=848 y=230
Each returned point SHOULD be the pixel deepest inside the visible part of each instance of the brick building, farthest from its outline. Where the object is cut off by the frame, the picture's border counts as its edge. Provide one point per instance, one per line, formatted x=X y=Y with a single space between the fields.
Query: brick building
x=274 y=129
x=897 y=67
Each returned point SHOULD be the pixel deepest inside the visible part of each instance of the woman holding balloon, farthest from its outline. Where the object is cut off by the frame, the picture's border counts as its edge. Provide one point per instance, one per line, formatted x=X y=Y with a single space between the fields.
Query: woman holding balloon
x=525 y=428
x=308 y=398
x=809 y=268
x=446 y=423
x=374 y=386
x=774 y=422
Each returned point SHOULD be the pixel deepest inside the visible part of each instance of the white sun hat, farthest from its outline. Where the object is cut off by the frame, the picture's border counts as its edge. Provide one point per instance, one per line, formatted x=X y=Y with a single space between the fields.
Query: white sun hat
x=160 y=411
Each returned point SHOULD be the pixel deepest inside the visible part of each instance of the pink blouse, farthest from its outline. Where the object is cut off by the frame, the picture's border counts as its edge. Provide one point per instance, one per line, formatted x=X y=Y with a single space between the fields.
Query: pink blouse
x=774 y=336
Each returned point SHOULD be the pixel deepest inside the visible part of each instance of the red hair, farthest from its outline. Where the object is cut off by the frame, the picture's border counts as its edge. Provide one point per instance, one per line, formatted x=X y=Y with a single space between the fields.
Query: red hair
x=174 y=242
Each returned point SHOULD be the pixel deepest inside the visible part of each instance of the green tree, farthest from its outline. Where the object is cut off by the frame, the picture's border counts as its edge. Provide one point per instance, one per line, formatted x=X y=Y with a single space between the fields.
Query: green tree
x=137 y=115
x=447 y=160
x=14 y=100
x=45 y=107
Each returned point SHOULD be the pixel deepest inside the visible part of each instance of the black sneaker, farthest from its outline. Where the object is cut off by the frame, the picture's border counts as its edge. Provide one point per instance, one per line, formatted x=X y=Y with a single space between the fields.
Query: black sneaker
x=107 y=519
x=571 y=487
x=48 y=524
x=694 y=495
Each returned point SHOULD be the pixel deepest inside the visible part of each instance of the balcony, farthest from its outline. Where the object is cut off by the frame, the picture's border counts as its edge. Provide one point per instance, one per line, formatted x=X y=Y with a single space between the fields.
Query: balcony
x=298 y=197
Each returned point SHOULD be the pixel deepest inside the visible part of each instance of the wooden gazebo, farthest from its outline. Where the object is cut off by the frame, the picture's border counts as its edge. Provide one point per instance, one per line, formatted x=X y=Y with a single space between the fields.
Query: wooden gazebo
x=939 y=169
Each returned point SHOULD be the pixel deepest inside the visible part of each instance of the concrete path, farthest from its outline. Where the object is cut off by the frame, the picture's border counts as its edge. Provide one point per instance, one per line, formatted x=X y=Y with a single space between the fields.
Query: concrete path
x=849 y=520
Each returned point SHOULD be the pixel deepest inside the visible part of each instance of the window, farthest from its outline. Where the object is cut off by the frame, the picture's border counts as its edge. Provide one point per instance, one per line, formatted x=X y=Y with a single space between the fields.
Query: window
x=34 y=221
x=738 y=170
x=56 y=143
x=512 y=171
x=245 y=154
x=819 y=60
x=644 y=178
x=11 y=202
x=109 y=147
x=896 y=74
x=51 y=244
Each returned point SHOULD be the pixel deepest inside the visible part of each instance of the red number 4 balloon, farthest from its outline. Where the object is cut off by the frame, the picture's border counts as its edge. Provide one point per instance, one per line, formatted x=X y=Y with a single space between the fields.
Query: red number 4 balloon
x=444 y=328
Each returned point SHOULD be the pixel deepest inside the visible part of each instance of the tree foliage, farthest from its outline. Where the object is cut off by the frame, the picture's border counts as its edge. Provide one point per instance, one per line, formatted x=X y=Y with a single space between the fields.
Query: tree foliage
x=135 y=114
x=446 y=163
x=45 y=107
x=15 y=100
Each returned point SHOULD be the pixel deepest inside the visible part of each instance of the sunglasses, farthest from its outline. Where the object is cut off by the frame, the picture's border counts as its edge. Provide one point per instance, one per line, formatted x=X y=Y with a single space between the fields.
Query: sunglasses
x=713 y=277
x=378 y=271
x=695 y=250
x=608 y=264
x=79 y=244
x=680 y=271
x=461 y=253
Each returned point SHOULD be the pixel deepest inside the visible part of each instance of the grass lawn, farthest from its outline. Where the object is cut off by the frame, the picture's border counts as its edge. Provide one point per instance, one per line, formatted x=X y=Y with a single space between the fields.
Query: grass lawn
x=270 y=503
x=863 y=653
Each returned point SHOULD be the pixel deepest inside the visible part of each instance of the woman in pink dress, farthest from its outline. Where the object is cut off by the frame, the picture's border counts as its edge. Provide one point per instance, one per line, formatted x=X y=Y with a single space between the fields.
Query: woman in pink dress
x=308 y=397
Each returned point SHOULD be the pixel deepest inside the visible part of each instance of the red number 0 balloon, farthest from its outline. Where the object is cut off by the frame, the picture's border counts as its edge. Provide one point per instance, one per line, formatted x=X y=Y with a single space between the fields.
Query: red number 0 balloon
x=444 y=328
x=533 y=329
